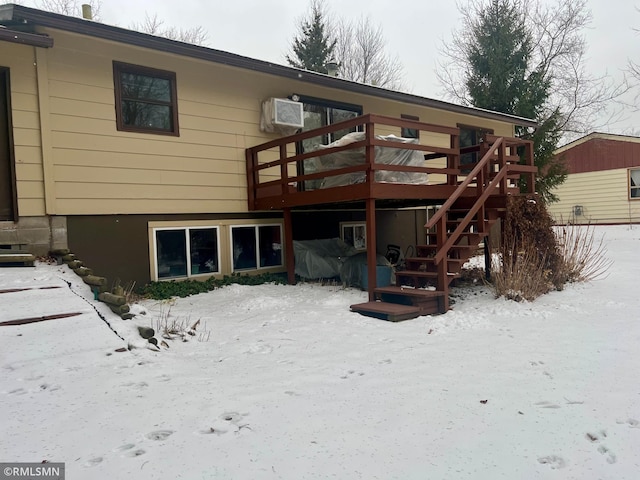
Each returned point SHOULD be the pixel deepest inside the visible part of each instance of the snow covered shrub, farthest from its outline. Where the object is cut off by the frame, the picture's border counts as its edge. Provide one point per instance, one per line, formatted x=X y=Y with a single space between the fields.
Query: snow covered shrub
x=583 y=258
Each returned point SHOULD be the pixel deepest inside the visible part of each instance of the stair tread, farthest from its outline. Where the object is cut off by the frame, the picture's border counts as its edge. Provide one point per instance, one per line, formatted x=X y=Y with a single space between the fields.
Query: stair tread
x=391 y=312
x=409 y=291
x=416 y=273
x=385 y=307
x=435 y=247
x=430 y=259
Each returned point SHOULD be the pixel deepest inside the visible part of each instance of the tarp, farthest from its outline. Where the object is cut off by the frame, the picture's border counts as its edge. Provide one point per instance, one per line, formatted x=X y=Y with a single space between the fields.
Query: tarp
x=321 y=258
x=331 y=258
x=386 y=155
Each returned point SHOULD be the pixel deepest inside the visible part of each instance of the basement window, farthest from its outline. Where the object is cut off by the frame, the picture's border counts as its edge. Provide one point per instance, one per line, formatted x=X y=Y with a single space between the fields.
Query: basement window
x=256 y=247
x=146 y=99
x=186 y=252
x=354 y=234
x=634 y=183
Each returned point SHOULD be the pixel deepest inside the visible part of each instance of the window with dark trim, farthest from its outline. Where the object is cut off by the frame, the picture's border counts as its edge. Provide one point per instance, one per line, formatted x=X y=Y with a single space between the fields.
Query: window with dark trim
x=410 y=132
x=634 y=183
x=146 y=99
x=469 y=137
x=319 y=112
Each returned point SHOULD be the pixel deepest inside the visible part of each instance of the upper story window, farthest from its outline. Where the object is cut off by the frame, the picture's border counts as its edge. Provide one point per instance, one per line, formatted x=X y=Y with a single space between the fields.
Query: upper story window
x=146 y=99
x=634 y=183
x=410 y=132
x=471 y=137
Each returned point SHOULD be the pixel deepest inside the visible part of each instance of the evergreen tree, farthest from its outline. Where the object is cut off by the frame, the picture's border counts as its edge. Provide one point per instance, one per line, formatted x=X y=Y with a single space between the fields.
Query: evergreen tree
x=502 y=76
x=313 y=47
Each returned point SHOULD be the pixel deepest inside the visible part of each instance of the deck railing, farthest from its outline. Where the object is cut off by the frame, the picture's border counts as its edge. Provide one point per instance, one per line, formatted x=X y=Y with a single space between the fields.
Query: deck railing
x=277 y=168
x=279 y=174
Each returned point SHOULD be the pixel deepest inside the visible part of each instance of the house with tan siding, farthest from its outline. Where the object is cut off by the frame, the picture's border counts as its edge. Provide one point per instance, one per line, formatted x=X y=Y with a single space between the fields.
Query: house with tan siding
x=603 y=182
x=135 y=152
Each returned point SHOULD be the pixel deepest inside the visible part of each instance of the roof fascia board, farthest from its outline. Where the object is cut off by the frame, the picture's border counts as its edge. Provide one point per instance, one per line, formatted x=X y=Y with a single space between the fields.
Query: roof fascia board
x=598 y=136
x=35 y=40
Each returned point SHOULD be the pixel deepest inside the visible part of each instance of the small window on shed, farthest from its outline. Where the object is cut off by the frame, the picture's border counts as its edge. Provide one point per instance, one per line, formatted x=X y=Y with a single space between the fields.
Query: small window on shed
x=634 y=183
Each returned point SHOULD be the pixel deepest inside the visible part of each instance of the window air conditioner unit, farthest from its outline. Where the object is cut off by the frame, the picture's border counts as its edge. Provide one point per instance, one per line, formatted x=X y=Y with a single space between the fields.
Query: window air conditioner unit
x=287 y=113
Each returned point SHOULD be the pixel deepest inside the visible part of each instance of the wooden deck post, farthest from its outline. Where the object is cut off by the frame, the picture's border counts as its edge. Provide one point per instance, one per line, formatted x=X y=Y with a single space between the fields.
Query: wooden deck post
x=288 y=246
x=371 y=248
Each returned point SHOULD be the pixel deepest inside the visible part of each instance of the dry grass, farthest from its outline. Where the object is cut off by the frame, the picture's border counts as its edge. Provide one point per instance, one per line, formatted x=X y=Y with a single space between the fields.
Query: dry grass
x=182 y=328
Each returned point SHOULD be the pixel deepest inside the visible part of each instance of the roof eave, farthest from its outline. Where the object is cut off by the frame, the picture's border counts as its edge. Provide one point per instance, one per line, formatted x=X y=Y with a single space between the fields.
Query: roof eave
x=121 y=35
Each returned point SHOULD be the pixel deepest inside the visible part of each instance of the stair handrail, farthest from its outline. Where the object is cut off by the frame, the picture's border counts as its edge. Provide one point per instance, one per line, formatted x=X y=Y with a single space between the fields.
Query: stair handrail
x=463 y=186
x=442 y=251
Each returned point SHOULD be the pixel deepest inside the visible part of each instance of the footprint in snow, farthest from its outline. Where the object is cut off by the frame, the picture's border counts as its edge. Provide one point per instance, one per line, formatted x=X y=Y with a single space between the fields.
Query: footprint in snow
x=595 y=438
x=554 y=461
x=136 y=453
x=124 y=448
x=230 y=418
x=260 y=348
x=546 y=404
x=632 y=422
x=609 y=456
x=92 y=462
x=214 y=430
x=159 y=435
x=351 y=373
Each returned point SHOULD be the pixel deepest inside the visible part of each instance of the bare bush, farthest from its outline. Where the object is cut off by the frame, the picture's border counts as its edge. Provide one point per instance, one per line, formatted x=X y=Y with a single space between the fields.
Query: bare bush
x=537 y=257
x=583 y=256
x=521 y=274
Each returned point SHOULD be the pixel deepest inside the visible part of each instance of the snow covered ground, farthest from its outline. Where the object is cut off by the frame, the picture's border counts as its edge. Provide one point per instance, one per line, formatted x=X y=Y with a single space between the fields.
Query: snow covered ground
x=283 y=382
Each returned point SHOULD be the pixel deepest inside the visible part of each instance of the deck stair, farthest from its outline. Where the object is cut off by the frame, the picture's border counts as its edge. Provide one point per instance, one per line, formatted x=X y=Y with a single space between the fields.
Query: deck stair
x=453 y=236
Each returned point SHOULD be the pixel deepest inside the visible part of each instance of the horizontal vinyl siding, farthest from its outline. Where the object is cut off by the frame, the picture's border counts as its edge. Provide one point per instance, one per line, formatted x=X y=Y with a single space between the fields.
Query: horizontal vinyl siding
x=603 y=196
x=100 y=170
x=20 y=60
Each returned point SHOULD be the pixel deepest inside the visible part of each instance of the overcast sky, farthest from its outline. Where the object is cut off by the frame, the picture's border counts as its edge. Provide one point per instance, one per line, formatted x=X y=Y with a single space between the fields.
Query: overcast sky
x=263 y=29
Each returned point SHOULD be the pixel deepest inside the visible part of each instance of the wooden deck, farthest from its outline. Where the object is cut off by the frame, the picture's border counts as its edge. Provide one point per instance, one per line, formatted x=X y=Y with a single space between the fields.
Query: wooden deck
x=472 y=196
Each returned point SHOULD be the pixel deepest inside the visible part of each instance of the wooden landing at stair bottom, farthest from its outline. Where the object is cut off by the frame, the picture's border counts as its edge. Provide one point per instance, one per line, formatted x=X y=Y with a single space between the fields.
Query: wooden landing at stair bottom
x=392 y=312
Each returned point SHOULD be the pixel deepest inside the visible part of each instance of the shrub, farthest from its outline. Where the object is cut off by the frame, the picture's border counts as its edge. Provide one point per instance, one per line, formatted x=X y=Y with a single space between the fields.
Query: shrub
x=523 y=276
x=529 y=256
x=535 y=257
x=583 y=258
x=186 y=288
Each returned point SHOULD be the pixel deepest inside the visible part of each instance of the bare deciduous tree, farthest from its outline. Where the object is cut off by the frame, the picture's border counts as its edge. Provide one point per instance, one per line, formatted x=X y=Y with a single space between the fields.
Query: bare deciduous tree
x=72 y=8
x=151 y=24
x=558 y=53
x=357 y=46
x=155 y=26
x=360 y=52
